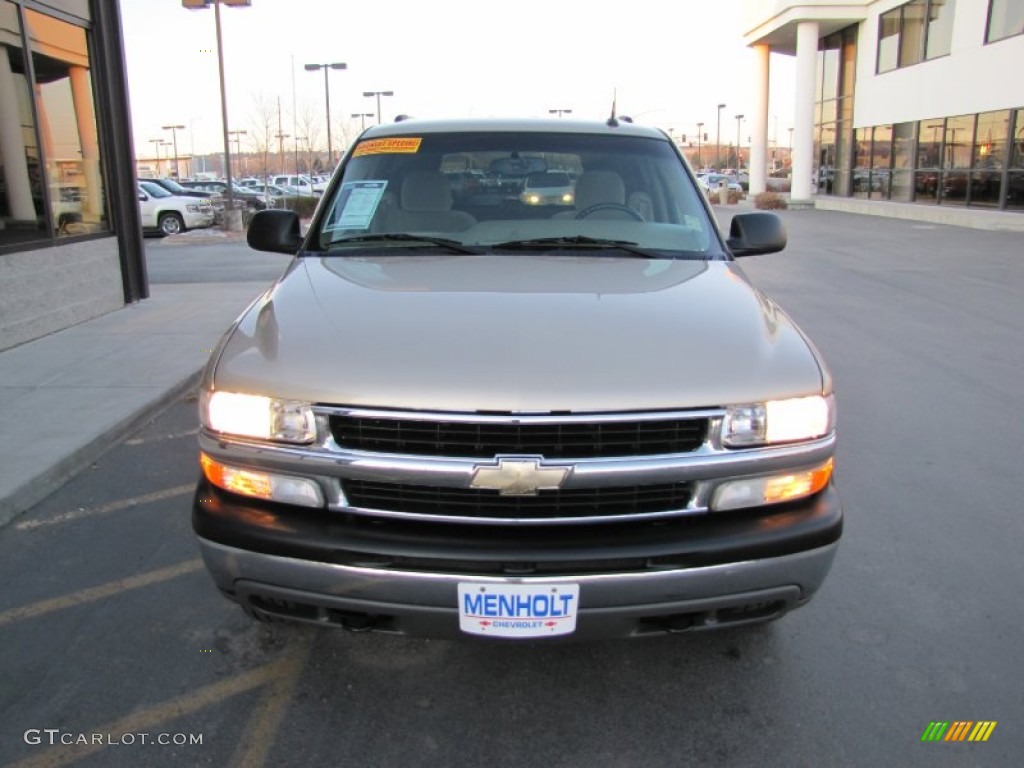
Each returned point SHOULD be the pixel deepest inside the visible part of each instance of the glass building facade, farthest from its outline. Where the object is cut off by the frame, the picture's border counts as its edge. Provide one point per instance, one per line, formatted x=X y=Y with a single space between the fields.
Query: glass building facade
x=70 y=241
x=964 y=160
x=968 y=160
x=51 y=170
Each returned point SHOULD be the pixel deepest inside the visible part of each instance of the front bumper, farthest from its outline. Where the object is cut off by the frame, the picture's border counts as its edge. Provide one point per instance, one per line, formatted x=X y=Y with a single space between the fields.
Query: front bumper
x=692 y=573
x=199 y=219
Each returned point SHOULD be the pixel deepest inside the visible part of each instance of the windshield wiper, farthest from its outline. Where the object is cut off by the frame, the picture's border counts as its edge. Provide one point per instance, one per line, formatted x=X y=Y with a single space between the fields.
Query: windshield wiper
x=578 y=241
x=423 y=240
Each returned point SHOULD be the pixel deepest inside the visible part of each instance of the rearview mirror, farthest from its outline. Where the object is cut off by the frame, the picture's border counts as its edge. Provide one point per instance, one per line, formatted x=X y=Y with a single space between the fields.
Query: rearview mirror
x=753 y=233
x=275 y=231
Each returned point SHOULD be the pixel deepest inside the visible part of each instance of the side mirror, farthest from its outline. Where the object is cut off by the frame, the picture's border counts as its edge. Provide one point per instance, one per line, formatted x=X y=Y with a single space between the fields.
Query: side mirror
x=275 y=231
x=143 y=197
x=754 y=233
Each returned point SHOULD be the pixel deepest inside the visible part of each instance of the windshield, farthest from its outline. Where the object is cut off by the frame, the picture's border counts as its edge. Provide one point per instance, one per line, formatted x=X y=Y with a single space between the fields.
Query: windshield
x=494 y=190
x=154 y=189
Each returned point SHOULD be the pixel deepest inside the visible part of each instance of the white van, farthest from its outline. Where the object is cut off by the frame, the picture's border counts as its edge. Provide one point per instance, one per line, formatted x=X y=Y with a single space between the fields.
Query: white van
x=302 y=183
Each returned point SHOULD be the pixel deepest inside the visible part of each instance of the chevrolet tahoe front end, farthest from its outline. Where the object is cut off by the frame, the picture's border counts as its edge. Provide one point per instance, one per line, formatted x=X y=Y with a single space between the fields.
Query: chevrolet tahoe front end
x=447 y=428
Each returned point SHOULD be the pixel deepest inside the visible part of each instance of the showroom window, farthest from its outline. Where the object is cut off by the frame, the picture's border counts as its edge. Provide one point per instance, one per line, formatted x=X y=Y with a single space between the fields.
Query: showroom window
x=956 y=159
x=67 y=124
x=862 y=162
x=988 y=158
x=21 y=188
x=1005 y=19
x=913 y=32
x=881 y=162
x=902 y=162
x=929 y=153
x=1015 y=176
x=833 y=112
x=51 y=180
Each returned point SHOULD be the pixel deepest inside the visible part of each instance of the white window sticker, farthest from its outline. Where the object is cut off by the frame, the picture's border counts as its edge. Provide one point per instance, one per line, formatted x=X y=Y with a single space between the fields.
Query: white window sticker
x=357 y=202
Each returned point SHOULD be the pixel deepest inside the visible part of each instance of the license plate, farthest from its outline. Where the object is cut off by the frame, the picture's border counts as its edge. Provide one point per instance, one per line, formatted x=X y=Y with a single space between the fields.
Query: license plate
x=518 y=610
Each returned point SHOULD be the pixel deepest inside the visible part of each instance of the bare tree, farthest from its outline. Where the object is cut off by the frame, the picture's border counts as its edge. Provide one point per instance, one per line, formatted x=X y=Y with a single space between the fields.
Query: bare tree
x=263 y=122
x=309 y=124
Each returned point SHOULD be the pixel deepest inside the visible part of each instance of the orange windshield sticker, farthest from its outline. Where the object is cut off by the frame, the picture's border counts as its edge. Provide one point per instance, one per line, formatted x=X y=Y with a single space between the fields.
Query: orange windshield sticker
x=388 y=146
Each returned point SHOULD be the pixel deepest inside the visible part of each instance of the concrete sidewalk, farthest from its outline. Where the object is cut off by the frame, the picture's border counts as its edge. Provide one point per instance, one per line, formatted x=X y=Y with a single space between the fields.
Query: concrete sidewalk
x=67 y=397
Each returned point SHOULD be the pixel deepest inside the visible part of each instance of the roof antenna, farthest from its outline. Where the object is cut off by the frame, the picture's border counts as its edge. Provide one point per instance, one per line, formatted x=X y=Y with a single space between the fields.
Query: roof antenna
x=613 y=121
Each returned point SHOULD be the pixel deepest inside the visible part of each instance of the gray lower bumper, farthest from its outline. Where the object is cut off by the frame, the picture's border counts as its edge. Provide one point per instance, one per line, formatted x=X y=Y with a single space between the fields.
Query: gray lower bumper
x=425 y=604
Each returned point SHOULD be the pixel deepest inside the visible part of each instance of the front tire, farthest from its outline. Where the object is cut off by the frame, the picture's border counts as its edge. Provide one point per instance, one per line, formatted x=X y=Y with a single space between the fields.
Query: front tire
x=171 y=224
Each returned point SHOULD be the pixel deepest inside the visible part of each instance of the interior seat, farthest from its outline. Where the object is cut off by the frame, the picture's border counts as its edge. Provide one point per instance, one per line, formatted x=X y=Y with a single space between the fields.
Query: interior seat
x=594 y=188
x=425 y=205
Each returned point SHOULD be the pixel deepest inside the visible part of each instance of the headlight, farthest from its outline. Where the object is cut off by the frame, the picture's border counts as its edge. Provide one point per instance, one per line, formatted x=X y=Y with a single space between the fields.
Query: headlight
x=778 y=421
x=256 y=416
x=771 y=489
x=262 y=485
x=192 y=208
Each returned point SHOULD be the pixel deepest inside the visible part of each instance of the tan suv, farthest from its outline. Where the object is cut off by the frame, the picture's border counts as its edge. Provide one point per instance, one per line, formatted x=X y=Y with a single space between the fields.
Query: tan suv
x=481 y=415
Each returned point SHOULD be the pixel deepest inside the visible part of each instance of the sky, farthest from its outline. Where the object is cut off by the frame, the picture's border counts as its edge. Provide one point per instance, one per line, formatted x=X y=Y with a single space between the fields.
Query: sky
x=668 y=65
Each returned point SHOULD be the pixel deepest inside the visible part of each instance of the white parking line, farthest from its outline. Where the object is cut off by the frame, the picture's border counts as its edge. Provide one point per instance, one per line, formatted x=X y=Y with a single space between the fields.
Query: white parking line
x=144 y=720
x=102 y=509
x=98 y=593
x=157 y=438
x=265 y=722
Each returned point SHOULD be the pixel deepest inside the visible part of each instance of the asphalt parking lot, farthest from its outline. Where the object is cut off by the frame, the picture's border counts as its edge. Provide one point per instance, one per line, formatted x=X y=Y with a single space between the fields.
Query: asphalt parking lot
x=112 y=630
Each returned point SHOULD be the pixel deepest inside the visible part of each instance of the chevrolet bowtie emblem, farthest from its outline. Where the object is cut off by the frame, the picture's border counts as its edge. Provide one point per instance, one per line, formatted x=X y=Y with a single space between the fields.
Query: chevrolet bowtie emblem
x=518 y=477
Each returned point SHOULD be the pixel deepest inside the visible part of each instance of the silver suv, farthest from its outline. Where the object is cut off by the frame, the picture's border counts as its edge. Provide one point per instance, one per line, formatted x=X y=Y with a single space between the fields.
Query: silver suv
x=505 y=418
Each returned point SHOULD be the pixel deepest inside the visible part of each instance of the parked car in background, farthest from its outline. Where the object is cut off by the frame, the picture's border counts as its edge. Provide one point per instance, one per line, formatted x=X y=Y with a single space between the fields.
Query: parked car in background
x=275 y=195
x=709 y=183
x=214 y=198
x=245 y=194
x=465 y=183
x=547 y=188
x=302 y=185
x=169 y=214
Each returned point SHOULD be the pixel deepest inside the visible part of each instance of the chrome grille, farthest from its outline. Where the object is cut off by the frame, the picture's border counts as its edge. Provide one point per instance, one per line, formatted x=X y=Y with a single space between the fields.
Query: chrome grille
x=482 y=505
x=569 y=439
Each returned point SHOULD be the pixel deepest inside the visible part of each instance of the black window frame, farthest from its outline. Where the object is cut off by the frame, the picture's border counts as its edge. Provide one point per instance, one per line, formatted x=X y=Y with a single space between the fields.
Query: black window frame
x=922 y=52
x=988 y=26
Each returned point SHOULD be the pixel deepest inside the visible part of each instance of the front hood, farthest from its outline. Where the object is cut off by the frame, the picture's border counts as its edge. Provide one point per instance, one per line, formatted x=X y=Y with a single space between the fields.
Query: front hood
x=516 y=333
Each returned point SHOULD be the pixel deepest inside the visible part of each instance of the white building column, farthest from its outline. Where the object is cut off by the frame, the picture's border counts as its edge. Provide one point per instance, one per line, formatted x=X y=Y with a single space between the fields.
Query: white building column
x=759 y=122
x=803 y=117
x=12 y=146
x=81 y=94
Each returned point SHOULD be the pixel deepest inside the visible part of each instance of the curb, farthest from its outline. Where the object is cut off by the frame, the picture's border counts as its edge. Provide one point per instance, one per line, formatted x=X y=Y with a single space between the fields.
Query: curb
x=37 y=488
x=186 y=239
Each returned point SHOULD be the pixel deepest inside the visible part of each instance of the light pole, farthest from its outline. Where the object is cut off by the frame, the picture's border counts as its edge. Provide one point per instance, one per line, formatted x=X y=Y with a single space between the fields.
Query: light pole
x=327 y=98
x=700 y=129
x=378 y=94
x=174 y=135
x=280 y=149
x=739 y=158
x=362 y=119
x=156 y=149
x=238 y=147
x=559 y=112
x=229 y=204
x=718 y=139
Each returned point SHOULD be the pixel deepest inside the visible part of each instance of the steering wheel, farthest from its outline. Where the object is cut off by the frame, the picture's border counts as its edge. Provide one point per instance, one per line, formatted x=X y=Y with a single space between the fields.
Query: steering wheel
x=610 y=207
